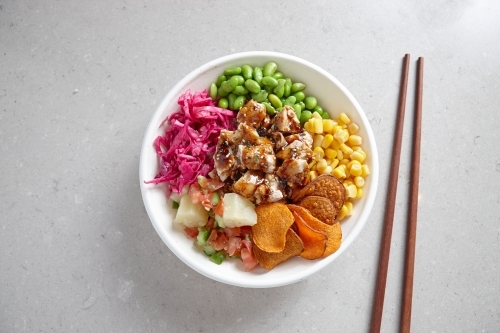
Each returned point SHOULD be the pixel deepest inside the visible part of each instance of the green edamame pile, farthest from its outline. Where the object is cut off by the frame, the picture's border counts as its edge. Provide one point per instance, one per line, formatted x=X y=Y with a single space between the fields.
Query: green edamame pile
x=265 y=85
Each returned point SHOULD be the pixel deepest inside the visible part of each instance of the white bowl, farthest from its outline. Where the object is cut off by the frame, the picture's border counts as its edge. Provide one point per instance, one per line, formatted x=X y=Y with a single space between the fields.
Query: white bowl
x=331 y=95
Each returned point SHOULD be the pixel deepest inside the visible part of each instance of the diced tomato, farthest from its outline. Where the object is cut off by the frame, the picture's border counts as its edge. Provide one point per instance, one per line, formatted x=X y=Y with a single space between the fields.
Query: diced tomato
x=198 y=196
x=219 y=209
x=191 y=232
x=245 y=230
x=210 y=223
x=221 y=242
x=212 y=237
x=249 y=260
x=234 y=246
x=232 y=231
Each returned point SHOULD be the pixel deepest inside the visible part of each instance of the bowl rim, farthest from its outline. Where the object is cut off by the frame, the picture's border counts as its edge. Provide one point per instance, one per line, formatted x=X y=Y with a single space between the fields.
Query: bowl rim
x=320 y=264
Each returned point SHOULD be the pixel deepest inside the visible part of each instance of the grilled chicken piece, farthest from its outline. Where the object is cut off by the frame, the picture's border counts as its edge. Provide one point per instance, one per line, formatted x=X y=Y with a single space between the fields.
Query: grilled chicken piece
x=257 y=157
x=286 y=121
x=252 y=114
x=245 y=134
x=224 y=160
x=248 y=183
x=297 y=149
x=293 y=171
x=304 y=137
x=269 y=191
x=279 y=140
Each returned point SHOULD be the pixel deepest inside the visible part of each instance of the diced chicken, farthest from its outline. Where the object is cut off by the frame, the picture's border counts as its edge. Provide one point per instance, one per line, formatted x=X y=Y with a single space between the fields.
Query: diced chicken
x=304 y=137
x=279 y=140
x=252 y=114
x=293 y=171
x=247 y=184
x=297 y=149
x=269 y=191
x=257 y=157
x=224 y=160
x=245 y=134
x=286 y=121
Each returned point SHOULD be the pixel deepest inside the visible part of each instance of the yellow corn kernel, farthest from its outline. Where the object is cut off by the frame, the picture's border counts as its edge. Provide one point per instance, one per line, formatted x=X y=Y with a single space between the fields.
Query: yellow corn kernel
x=355 y=170
x=348 y=204
x=347 y=172
x=344 y=161
x=340 y=154
x=318 y=140
x=330 y=153
x=341 y=136
x=334 y=163
x=358 y=156
x=359 y=182
x=321 y=165
x=338 y=172
x=312 y=175
x=319 y=153
x=352 y=191
x=328 y=125
x=342 y=213
x=346 y=149
x=356 y=148
x=326 y=171
x=336 y=128
x=353 y=128
x=365 y=171
x=312 y=164
x=327 y=141
x=349 y=165
x=347 y=182
x=318 y=125
x=335 y=145
x=307 y=126
x=316 y=115
x=355 y=140
x=360 y=193
x=345 y=119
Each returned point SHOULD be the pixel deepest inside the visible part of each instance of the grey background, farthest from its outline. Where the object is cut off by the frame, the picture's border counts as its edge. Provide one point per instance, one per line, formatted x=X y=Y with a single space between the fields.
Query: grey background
x=79 y=81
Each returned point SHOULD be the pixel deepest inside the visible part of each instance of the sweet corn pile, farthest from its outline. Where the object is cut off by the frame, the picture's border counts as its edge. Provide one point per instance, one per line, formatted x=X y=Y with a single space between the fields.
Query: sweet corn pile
x=337 y=151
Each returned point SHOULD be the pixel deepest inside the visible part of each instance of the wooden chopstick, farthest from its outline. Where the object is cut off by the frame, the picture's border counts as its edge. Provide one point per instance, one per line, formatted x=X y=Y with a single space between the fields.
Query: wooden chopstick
x=378 y=303
x=412 y=214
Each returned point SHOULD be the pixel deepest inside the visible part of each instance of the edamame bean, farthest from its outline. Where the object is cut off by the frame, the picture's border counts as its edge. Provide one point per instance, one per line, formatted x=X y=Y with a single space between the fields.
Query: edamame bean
x=270 y=68
x=230 y=84
x=260 y=97
x=213 y=91
x=325 y=115
x=278 y=75
x=269 y=108
x=231 y=98
x=288 y=87
x=239 y=78
x=297 y=86
x=275 y=101
x=269 y=81
x=302 y=105
x=310 y=102
x=257 y=75
x=220 y=79
x=299 y=95
x=305 y=116
x=291 y=101
x=317 y=108
x=280 y=88
x=240 y=91
x=298 y=110
x=239 y=102
x=232 y=71
x=221 y=92
x=252 y=85
x=247 y=71
x=223 y=103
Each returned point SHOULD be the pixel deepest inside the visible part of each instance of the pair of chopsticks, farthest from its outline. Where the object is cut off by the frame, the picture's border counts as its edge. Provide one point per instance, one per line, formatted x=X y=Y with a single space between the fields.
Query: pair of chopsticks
x=378 y=304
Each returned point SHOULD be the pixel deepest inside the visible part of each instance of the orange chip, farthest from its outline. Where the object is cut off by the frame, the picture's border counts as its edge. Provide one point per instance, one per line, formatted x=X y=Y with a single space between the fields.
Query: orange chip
x=320 y=207
x=326 y=186
x=314 y=241
x=293 y=247
x=273 y=222
x=333 y=232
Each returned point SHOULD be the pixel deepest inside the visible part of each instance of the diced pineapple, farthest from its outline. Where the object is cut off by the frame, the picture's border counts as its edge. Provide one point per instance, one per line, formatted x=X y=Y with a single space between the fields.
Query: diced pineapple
x=191 y=215
x=238 y=211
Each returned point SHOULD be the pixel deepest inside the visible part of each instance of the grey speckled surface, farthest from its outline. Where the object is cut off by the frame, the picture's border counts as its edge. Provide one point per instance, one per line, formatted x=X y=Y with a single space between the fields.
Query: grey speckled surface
x=79 y=81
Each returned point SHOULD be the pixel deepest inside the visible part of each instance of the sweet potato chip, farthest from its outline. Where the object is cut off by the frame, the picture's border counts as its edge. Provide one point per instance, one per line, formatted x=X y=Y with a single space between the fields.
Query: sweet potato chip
x=314 y=241
x=333 y=232
x=293 y=247
x=320 y=207
x=273 y=222
x=326 y=186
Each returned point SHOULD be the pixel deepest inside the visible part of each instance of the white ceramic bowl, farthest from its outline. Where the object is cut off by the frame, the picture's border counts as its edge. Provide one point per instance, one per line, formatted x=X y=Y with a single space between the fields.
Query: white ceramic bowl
x=331 y=95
